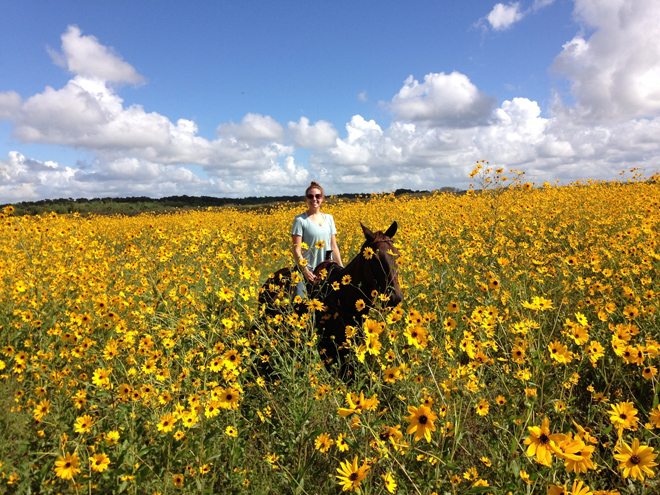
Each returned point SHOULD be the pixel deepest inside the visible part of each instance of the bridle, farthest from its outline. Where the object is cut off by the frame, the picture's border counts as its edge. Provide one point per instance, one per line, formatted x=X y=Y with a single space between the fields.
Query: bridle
x=382 y=272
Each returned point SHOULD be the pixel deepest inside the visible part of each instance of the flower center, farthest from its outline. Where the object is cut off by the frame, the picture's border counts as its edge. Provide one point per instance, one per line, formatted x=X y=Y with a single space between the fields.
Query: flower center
x=634 y=459
x=423 y=420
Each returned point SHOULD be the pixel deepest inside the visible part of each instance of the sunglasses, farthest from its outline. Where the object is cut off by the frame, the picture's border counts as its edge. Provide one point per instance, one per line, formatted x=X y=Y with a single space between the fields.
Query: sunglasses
x=312 y=196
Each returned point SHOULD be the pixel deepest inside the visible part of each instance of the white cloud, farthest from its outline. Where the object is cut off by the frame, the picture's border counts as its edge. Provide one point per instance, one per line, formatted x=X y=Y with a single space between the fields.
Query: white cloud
x=442 y=99
x=87 y=113
x=541 y=4
x=253 y=128
x=24 y=179
x=615 y=72
x=502 y=17
x=85 y=56
x=10 y=102
x=318 y=135
x=289 y=172
x=439 y=128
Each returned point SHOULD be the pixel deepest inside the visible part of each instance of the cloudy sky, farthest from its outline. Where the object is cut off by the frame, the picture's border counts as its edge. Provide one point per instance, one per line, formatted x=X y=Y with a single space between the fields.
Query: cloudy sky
x=253 y=98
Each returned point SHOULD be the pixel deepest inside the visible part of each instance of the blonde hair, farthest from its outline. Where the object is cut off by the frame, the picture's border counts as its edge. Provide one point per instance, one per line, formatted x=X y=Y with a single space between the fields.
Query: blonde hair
x=314 y=185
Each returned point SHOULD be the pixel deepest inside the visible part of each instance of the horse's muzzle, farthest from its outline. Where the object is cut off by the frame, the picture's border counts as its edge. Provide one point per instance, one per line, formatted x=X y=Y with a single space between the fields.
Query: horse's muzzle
x=395 y=297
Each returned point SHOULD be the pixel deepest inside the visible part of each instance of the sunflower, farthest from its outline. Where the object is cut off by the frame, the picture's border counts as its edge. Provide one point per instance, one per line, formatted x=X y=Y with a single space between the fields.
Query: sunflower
x=341 y=443
x=389 y=482
x=178 y=480
x=212 y=409
x=231 y=359
x=449 y=323
x=540 y=442
x=559 y=352
x=654 y=417
x=635 y=460
x=595 y=351
x=649 y=372
x=482 y=407
x=67 y=466
x=624 y=416
x=112 y=437
x=323 y=442
x=518 y=354
x=579 y=488
x=351 y=475
x=421 y=422
x=83 y=424
x=41 y=409
x=391 y=375
x=417 y=336
x=229 y=398
x=99 y=462
x=575 y=453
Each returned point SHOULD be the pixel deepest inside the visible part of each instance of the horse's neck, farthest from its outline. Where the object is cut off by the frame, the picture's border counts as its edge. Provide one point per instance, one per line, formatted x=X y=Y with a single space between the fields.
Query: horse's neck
x=360 y=271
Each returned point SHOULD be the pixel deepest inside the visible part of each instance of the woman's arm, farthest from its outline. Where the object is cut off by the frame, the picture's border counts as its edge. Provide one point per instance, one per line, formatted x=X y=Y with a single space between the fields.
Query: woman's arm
x=336 y=255
x=296 y=243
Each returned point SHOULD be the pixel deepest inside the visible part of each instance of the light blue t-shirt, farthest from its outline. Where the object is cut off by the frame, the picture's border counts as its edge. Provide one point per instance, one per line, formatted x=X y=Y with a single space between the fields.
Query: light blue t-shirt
x=316 y=237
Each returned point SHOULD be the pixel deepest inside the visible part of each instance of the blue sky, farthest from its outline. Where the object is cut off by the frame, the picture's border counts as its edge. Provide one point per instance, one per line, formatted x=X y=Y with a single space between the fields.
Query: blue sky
x=255 y=98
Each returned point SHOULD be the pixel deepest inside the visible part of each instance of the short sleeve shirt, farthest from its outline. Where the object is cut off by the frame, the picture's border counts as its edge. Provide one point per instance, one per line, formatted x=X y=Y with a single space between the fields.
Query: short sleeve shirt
x=316 y=237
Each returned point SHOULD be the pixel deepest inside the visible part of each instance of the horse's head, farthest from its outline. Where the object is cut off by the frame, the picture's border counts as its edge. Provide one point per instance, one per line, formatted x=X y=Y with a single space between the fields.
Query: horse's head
x=382 y=258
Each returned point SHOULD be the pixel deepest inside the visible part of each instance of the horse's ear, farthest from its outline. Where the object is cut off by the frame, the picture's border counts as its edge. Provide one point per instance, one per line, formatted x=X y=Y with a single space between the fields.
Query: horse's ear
x=367 y=233
x=392 y=230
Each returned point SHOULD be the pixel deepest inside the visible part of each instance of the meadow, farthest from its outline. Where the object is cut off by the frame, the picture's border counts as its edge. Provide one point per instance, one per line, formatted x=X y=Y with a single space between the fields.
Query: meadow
x=523 y=359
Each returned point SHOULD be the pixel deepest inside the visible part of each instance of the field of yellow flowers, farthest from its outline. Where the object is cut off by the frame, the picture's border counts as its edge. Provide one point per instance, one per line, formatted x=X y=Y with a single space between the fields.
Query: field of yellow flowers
x=523 y=359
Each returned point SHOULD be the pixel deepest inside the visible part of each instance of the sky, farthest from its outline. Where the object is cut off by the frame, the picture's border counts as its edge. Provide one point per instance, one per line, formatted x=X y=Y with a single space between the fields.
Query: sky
x=258 y=98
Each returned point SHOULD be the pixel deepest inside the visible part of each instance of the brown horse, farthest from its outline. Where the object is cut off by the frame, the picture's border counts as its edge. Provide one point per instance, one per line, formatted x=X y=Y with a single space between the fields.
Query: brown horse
x=370 y=275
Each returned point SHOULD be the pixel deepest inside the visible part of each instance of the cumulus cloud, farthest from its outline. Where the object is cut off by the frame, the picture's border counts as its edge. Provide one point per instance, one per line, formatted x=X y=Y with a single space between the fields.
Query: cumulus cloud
x=442 y=99
x=83 y=55
x=315 y=136
x=24 y=179
x=253 y=128
x=614 y=72
x=502 y=16
x=87 y=113
x=439 y=127
x=10 y=102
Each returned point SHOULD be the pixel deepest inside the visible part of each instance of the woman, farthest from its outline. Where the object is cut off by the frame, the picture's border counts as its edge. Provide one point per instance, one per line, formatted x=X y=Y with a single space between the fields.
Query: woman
x=313 y=236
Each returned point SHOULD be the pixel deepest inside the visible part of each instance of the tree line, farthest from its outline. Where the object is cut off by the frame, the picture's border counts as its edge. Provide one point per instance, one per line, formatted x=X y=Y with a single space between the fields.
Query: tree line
x=139 y=204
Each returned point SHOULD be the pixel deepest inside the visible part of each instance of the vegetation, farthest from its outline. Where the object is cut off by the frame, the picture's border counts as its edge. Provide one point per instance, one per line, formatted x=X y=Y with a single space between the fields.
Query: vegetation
x=143 y=204
x=523 y=359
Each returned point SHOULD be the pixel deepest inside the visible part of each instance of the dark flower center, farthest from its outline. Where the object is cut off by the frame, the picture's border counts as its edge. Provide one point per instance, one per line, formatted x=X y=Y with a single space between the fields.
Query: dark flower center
x=353 y=477
x=544 y=438
x=634 y=459
x=423 y=420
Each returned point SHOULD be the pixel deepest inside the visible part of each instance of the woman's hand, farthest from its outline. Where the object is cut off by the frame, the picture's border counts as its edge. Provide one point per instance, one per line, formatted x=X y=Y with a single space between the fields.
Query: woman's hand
x=309 y=275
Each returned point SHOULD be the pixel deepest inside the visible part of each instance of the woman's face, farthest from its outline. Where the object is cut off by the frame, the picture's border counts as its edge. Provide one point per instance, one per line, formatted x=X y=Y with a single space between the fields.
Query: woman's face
x=314 y=197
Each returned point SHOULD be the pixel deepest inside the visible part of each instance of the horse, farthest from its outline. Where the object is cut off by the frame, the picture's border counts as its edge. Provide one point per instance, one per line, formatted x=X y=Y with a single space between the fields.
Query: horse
x=342 y=297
